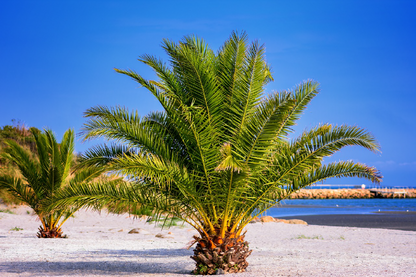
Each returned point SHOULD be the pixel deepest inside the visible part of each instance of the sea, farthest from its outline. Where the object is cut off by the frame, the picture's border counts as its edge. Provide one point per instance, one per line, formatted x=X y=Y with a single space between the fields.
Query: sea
x=297 y=207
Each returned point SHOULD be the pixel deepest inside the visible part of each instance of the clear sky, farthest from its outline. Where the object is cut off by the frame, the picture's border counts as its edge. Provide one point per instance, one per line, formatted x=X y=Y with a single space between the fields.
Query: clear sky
x=57 y=60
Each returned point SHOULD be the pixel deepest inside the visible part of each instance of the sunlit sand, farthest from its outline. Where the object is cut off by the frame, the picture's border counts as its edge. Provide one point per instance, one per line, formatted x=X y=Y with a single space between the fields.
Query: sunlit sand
x=99 y=245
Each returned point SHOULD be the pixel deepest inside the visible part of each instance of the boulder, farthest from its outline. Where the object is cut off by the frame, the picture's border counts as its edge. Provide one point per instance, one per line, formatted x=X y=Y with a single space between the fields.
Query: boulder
x=267 y=218
x=291 y=221
x=255 y=220
x=139 y=231
x=296 y=221
x=162 y=236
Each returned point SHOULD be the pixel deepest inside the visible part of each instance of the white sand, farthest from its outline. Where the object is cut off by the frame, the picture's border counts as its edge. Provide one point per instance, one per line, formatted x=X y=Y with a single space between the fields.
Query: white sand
x=99 y=245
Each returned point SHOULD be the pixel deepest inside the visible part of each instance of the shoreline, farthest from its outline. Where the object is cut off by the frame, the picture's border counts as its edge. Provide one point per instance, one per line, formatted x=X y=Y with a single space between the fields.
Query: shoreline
x=408 y=193
x=405 y=221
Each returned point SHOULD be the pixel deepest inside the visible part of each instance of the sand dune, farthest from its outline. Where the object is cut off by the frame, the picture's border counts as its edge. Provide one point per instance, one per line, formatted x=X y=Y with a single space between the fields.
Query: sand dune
x=100 y=245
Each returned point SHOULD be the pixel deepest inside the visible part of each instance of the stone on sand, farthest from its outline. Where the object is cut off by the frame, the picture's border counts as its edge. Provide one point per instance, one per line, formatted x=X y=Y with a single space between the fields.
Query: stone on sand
x=163 y=236
x=139 y=231
x=267 y=218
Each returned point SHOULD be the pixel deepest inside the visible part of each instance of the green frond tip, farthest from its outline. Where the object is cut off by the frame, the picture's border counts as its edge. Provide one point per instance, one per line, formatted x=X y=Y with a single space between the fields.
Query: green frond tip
x=228 y=161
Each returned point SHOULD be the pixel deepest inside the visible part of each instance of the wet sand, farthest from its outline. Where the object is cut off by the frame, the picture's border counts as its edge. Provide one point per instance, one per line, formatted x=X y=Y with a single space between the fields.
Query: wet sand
x=405 y=221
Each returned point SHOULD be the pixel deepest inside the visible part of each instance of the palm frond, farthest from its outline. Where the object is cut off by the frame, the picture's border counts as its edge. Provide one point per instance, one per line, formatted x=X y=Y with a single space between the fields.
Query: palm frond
x=118 y=124
x=102 y=155
x=302 y=95
x=20 y=190
x=337 y=170
x=248 y=93
x=219 y=151
x=67 y=148
x=264 y=127
x=28 y=167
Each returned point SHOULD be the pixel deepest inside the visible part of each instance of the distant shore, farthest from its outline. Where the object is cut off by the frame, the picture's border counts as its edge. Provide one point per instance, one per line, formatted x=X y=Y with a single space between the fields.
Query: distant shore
x=352 y=193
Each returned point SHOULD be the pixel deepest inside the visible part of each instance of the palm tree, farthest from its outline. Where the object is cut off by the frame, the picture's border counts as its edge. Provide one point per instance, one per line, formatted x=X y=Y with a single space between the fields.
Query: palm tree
x=41 y=177
x=218 y=154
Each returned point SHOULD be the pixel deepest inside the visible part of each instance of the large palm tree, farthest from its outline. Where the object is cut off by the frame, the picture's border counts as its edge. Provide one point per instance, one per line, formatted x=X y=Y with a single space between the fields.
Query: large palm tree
x=218 y=154
x=41 y=177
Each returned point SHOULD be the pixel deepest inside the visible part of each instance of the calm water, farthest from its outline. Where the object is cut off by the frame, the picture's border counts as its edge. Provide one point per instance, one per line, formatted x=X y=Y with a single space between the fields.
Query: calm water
x=341 y=206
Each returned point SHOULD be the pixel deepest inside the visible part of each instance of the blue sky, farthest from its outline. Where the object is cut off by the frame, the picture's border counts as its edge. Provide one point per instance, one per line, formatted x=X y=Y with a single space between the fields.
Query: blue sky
x=57 y=60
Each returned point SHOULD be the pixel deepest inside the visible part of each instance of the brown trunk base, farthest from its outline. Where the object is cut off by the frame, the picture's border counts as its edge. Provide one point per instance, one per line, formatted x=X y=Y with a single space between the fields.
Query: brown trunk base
x=214 y=253
x=50 y=233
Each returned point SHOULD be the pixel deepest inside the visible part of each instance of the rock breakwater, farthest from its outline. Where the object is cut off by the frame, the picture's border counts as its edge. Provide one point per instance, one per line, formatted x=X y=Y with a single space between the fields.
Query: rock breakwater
x=352 y=193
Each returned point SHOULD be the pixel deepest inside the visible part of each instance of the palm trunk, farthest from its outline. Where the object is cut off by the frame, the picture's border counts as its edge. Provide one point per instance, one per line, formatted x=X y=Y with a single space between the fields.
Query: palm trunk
x=214 y=253
x=45 y=231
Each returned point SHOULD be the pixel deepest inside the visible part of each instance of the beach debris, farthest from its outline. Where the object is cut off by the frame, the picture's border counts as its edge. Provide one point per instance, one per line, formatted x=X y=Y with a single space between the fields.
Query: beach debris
x=163 y=236
x=139 y=231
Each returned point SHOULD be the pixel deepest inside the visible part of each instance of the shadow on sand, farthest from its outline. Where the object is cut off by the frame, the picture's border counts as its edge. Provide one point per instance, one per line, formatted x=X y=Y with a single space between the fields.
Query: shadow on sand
x=149 y=261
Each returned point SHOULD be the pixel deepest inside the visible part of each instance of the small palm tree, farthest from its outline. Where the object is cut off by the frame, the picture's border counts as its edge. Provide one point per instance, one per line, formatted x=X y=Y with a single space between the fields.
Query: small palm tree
x=41 y=177
x=219 y=153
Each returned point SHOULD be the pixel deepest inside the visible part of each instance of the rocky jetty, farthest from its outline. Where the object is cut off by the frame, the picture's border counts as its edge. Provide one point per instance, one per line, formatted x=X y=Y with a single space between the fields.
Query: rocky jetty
x=352 y=193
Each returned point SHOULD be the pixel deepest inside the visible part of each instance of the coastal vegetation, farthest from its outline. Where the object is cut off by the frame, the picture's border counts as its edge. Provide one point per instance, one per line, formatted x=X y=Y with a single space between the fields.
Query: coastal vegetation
x=218 y=154
x=42 y=172
x=19 y=133
x=7 y=211
x=307 y=237
x=16 y=229
x=22 y=135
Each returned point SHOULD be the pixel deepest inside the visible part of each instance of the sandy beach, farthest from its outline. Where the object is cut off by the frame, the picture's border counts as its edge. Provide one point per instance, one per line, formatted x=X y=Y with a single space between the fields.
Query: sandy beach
x=99 y=245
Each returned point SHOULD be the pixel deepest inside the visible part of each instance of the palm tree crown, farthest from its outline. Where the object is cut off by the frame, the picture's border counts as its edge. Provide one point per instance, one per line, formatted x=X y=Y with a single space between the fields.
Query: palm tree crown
x=218 y=154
